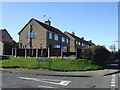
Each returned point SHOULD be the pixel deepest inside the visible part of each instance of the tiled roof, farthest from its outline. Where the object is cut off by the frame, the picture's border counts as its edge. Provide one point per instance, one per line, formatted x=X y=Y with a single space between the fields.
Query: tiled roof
x=3 y=37
x=90 y=43
x=4 y=30
x=79 y=39
x=50 y=28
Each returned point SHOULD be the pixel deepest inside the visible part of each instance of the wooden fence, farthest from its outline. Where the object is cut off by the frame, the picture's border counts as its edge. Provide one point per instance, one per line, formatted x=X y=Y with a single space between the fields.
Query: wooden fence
x=38 y=52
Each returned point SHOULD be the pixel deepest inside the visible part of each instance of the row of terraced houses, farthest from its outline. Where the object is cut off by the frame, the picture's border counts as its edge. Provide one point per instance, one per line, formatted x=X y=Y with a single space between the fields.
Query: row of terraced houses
x=39 y=35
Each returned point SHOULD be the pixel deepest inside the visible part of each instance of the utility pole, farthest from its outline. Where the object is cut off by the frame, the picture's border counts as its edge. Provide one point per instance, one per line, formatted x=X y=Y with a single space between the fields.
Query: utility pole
x=114 y=44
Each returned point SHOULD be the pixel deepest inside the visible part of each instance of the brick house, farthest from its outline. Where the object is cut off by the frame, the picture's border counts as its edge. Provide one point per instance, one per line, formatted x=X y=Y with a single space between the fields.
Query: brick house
x=39 y=35
x=6 y=43
x=77 y=43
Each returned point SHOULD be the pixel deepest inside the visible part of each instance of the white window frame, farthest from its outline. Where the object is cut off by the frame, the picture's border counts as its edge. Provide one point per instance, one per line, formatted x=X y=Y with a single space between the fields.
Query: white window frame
x=56 y=37
x=67 y=40
x=77 y=43
x=28 y=35
x=50 y=35
x=56 y=46
x=31 y=35
x=63 y=39
x=64 y=48
x=82 y=44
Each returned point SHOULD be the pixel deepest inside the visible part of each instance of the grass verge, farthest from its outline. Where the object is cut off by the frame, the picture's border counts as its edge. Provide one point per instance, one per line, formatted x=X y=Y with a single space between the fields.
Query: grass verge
x=55 y=65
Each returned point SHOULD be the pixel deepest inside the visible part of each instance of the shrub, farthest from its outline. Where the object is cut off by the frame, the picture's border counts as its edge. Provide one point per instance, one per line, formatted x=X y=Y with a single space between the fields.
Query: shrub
x=98 y=54
x=87 y=53
x=115 y=55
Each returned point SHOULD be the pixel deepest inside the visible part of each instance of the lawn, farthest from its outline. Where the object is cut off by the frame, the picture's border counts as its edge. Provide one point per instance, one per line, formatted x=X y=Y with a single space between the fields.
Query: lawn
x=55 y=65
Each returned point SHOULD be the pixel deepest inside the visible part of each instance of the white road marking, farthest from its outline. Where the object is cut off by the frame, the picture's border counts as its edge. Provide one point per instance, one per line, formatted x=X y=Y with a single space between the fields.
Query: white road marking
x=113 y=82
x=113 y=79
x=65 y=83
x=112 y=85
x=51 y=81
x=45 y=86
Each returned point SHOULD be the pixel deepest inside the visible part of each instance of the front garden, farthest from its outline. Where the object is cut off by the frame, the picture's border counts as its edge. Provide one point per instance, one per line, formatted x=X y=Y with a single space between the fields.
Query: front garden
x=55 y=65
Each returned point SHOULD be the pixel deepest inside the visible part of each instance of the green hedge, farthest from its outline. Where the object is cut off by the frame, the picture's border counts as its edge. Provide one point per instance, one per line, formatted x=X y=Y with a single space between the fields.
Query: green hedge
x=98 y=54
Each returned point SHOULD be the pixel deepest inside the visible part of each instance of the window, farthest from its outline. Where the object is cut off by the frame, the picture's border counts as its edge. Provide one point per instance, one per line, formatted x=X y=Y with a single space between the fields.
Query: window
x=33 y=34
x=63 y=39
x=56 y=46
x=24 y=46
x=30 y=34
x=50 y=35
x=82 y=44
x=67 y=40
x=56 y=37
x=64 y=49
x=76 y=42
x=86 y=45
x=79 y=43
x=41 y=46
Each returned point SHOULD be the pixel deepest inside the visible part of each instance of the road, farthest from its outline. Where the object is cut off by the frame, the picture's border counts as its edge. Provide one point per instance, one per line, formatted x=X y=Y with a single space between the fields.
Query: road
x=17 y=80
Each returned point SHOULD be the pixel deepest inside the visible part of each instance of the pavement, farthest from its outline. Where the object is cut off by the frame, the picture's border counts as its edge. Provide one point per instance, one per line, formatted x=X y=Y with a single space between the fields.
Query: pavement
x=103 y=72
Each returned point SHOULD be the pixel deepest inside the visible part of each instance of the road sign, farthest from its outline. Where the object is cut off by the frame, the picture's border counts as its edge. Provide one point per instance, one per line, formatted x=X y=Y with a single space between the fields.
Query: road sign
x=44 y=60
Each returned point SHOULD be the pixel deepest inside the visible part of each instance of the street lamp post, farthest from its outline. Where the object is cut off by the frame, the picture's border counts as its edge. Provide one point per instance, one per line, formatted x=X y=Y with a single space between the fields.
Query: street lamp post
x=114 y=44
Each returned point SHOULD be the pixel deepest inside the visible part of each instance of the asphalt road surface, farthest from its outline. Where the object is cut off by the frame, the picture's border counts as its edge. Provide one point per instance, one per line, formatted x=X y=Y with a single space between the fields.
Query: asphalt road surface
x=17 y=80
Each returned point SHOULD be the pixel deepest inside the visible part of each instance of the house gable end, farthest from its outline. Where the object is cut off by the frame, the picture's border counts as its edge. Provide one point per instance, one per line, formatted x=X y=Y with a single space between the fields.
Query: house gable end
x=5 y=36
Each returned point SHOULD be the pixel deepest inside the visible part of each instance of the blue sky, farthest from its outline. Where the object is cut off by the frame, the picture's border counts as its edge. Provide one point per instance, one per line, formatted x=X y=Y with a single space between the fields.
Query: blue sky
x=96 y=21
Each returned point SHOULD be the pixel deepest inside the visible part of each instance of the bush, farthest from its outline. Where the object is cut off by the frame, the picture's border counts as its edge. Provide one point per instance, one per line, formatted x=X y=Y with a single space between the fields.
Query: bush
x=115 y=55
x=98 y=54
x=87 y=53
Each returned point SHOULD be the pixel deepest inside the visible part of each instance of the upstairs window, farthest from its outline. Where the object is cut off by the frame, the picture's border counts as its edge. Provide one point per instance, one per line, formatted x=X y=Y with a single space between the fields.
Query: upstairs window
x=50 y=35
x=67 y=40
x=33 y=34
x=79 y=43
x=56 y=37
x=63 y=39
x=30 y=34
x=82 y=44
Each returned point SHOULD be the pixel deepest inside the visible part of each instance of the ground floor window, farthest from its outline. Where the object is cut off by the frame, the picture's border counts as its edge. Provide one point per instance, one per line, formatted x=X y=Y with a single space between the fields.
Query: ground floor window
x=56 y=46
x=24 y=46
x=64 y=48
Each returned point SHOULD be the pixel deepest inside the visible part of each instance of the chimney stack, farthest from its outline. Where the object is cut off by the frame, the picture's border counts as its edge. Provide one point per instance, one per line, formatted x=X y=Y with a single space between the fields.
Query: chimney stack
x=90 y=41
x=83 y=38
x=48 y=22
x=73 y=33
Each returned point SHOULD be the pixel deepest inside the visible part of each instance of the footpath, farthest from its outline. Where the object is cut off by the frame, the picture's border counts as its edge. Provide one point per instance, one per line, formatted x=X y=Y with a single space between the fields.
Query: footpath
x=104 y=72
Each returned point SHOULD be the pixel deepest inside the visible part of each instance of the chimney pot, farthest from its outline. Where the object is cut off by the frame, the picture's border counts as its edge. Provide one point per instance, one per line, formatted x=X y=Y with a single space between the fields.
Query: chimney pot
x=73 y=33
x=90 y=41
x=48 y=22
x=83 y=38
